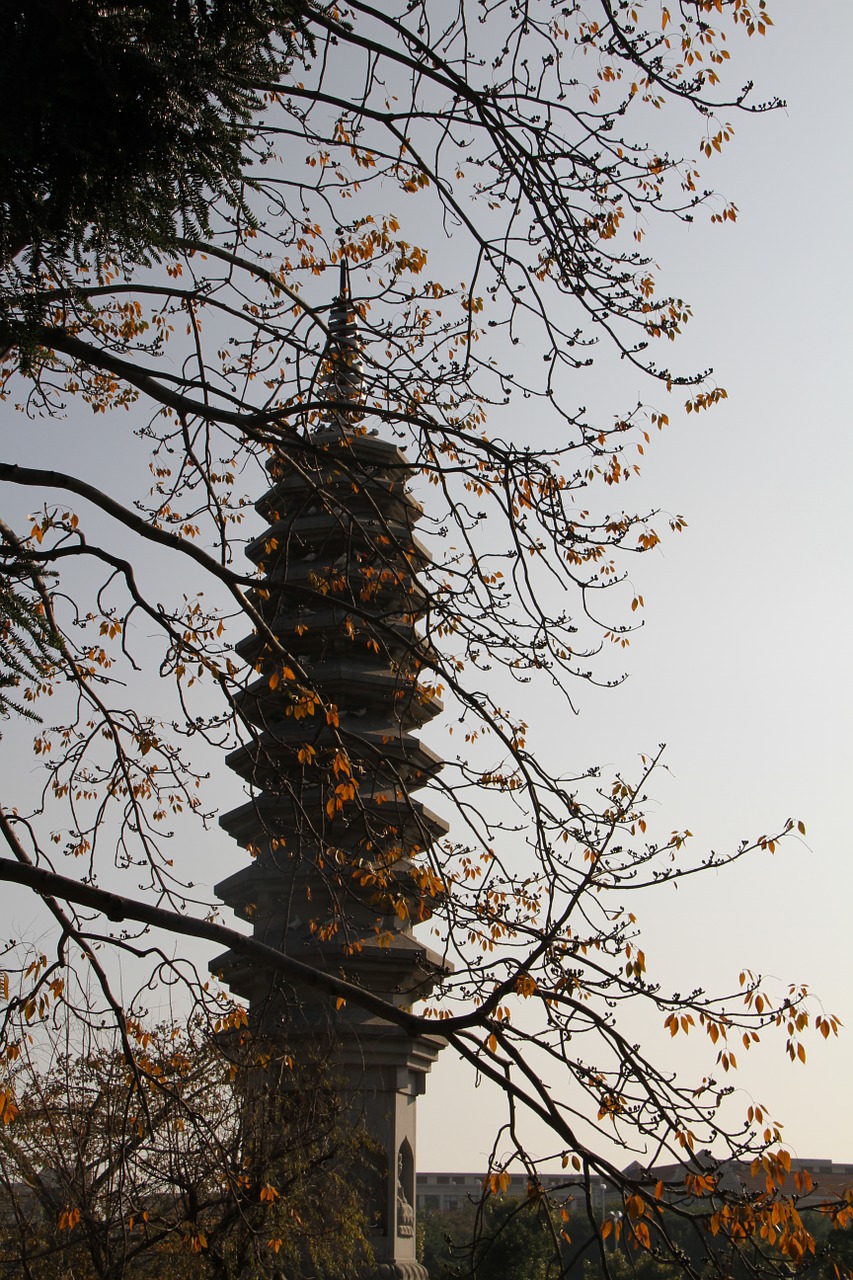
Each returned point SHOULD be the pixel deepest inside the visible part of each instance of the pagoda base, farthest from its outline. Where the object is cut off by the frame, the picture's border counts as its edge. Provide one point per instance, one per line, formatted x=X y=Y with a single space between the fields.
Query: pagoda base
x=401 y=1271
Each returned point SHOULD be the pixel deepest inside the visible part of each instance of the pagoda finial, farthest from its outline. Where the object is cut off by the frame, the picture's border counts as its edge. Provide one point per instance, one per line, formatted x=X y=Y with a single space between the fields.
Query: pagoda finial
x=342 y=369
x=344 y=289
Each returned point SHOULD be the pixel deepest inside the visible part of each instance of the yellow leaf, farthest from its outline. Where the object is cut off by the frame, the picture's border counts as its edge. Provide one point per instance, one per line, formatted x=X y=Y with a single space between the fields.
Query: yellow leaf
x=68 y=1219
x=8 y=1108
x=498 y=1182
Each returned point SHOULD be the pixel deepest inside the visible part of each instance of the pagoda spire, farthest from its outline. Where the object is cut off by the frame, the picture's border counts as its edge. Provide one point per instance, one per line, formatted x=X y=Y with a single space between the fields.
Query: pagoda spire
x=342 y=367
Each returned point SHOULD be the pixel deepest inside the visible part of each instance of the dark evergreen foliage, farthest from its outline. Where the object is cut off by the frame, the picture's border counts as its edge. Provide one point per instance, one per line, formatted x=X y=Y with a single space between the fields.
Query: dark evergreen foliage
x=28 y=642
x=119 y=121
x=501 y=1238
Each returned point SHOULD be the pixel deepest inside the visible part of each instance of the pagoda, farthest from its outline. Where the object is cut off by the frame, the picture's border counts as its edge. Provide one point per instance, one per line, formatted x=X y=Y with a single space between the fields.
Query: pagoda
x=339 y=872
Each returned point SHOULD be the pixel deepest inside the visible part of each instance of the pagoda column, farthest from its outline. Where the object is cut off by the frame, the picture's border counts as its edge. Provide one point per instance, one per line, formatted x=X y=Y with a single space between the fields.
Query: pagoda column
x=339 y=871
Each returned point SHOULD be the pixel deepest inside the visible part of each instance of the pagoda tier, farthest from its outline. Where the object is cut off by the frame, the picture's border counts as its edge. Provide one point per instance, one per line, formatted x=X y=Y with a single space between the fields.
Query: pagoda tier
x=334 y=757
x=340 y=873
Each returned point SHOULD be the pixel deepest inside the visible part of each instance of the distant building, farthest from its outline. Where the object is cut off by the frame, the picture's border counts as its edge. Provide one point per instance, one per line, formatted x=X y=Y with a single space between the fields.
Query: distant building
x=446 y=1192
x=449 y=1191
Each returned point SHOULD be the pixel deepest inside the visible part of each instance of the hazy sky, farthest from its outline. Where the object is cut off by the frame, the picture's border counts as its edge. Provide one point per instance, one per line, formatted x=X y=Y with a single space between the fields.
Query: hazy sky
x=743 y=667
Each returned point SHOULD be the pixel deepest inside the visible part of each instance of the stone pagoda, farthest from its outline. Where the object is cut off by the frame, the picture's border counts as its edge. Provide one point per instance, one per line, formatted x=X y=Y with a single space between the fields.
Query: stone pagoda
x=339 y=872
